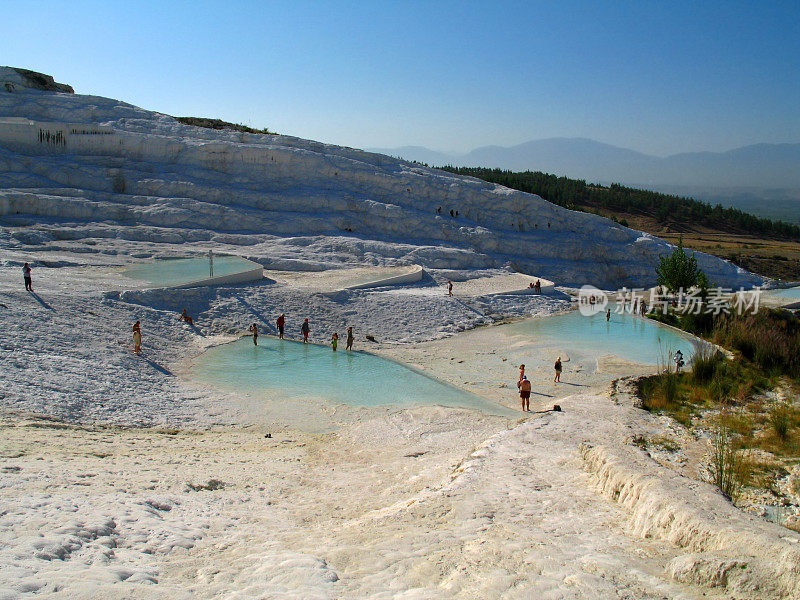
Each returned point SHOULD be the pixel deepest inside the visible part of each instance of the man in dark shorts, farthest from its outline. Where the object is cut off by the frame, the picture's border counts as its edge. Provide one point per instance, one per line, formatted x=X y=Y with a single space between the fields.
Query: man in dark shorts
x=254 y=329
x=26 y=273
x=525 y=394
x=281 y=322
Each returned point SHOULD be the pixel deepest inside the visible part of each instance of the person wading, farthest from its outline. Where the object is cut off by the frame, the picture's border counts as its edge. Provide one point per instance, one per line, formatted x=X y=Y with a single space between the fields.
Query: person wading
x=281 y=322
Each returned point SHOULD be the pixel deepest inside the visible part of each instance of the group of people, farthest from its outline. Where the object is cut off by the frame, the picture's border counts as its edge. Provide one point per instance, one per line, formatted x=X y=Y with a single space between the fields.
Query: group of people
x=305 y=329
x=524 y=384
x=536 y=287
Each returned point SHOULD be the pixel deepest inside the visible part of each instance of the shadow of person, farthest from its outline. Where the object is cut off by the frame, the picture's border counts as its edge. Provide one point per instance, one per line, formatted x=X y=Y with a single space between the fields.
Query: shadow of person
x=158 y=367
x=265 y=322
x=42 y=302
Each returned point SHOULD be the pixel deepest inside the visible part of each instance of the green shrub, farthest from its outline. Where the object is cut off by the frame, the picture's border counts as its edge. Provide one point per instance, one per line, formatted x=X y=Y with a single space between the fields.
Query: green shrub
x=705 y=363
x=779 y=418
x=729 y=470
x=660 y=392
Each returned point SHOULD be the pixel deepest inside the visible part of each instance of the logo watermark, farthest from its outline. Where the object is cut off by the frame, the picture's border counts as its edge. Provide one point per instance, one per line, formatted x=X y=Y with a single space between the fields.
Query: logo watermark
x=713 y=301
x=591 y=300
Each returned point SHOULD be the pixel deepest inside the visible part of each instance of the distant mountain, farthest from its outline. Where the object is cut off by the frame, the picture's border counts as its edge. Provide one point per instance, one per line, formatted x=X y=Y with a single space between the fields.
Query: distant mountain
x=756 y=166
x=417 y=153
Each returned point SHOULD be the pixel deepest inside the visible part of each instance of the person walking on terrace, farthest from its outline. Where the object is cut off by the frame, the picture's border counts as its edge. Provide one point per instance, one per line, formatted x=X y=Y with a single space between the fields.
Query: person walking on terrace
x=349 y=345
x=26 y=274
x=525 y=394
x=254 y=330
x=305 y=329
x=137 y=338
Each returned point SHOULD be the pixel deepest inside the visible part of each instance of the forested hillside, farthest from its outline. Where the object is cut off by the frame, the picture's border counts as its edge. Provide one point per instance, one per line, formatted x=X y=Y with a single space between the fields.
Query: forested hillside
x=765 y=246
x=576 y=194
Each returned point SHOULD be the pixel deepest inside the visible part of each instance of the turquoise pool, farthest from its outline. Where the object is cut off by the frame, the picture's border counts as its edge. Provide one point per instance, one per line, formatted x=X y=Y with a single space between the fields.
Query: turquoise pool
x=629 y=337
x=181 y=271
x=284 y=370
x=787 y=294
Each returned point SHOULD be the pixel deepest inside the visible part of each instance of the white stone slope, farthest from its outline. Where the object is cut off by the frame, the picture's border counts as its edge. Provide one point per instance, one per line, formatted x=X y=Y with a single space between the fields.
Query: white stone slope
x=78 y=167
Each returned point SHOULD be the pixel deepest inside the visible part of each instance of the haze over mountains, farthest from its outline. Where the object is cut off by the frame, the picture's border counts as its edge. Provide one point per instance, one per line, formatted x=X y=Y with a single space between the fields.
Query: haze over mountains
x=762 y=178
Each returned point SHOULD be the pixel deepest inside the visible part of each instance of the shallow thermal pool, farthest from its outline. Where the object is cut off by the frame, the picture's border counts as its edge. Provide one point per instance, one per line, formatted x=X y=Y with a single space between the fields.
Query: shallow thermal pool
x=180 y=271
x=787 y=294
x=627 y=336
x=283 y=370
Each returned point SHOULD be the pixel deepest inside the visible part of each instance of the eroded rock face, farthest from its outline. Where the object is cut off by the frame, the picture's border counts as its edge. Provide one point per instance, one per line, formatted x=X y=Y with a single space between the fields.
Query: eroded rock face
x=13 y=76
x=88 y=166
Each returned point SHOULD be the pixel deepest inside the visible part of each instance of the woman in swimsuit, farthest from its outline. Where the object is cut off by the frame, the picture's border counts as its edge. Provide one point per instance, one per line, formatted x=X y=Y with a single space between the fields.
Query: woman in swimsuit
x=137 y=338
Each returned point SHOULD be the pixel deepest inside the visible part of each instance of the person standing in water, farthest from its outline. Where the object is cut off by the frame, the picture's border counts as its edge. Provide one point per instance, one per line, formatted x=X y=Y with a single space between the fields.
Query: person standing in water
x=349 y=345
x=210 y=263
x=335 y=341
x=305 y=329
x=254 y=330
x=449 y=288
x=558 y=368
x=280 y=323
x=26 y=274
x=608 y=315
x=137 y=338
x=525 y=394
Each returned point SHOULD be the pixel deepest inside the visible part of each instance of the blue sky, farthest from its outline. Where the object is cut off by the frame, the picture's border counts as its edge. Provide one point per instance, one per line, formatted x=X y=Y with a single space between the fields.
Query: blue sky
x=659 y=77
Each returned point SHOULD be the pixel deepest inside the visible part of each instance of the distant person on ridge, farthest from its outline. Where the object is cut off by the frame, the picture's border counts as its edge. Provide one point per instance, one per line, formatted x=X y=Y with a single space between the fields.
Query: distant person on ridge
x=525 y=394
x=26 y=274
x=254 y=330
x=349 y=345
x=137 y=338
x=280 y=323
x=305 y=329
x=538 y=287
x=449 y=288
x=335 y=341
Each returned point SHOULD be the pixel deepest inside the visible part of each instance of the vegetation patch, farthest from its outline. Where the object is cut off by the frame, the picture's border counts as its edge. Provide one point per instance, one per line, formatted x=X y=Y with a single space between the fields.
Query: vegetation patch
x=220 y=124
x=747 y=403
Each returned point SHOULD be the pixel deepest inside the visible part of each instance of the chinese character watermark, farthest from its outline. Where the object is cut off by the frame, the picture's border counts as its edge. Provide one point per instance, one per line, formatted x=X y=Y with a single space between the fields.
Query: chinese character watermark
x=712 y=301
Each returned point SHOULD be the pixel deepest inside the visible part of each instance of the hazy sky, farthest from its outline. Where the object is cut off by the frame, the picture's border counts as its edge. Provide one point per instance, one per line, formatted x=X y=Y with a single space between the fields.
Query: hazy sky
x=659 y=77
